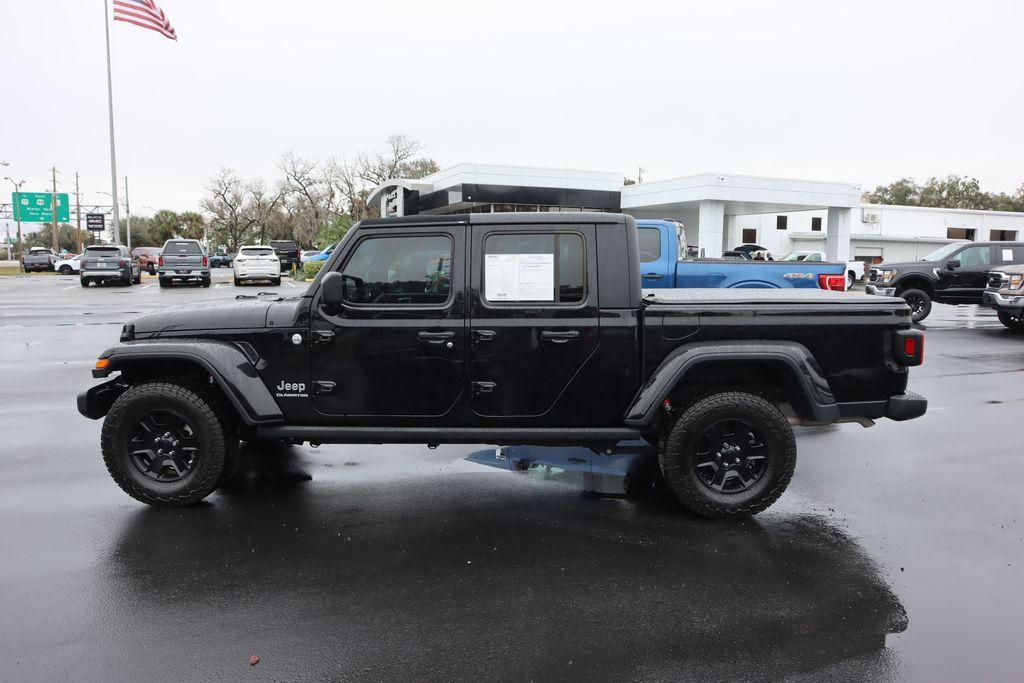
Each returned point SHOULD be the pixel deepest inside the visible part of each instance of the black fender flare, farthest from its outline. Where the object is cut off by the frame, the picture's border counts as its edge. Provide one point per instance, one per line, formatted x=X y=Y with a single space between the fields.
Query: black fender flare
x=795 y=358
x=232 y=370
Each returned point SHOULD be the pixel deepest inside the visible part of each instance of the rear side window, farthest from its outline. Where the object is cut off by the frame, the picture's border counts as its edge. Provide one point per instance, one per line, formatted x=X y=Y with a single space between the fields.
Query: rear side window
x=534 y=268
x=649 y=240
x=403 y=270
x=1007 y=254
x=182 y=248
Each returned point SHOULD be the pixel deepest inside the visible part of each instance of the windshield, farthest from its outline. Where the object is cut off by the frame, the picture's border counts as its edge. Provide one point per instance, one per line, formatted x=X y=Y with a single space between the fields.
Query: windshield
x=943 y=252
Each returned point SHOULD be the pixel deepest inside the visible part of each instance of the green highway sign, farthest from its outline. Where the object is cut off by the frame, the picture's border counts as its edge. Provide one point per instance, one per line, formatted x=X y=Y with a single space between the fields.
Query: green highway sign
x=34 y=207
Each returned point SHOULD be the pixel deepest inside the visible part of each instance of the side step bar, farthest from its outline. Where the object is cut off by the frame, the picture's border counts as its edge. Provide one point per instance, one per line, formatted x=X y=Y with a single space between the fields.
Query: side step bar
x=434 y=435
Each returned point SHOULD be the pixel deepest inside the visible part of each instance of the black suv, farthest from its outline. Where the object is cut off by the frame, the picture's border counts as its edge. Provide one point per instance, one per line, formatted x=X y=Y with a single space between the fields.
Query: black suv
x=955 y=273
x=288 y=252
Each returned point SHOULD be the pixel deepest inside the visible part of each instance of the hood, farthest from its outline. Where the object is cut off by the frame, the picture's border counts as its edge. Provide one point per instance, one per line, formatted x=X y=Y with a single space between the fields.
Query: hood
x=923 y=266
x=233 y=314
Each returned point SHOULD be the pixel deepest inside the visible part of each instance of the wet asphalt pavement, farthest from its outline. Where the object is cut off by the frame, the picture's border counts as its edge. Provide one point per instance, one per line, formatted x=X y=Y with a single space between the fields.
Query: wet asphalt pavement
x=897 y=552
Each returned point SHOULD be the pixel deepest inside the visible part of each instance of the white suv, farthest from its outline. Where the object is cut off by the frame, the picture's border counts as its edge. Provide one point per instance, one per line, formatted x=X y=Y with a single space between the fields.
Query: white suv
x=257 y=263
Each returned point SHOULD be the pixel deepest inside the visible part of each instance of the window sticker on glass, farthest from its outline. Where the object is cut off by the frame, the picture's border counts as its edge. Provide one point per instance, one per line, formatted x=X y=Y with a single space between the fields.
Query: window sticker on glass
x=1007 y=254
x=519 y=277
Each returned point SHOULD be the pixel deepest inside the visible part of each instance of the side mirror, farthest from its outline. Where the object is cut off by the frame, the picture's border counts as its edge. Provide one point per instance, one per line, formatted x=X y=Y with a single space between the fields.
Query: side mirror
x=332 y=290
x=953 y=263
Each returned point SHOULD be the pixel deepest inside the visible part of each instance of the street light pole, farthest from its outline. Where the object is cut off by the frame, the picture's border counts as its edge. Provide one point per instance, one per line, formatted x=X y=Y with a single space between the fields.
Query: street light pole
x=53 y=212
x=16 y=198
x=78 y=214
x=128 y=213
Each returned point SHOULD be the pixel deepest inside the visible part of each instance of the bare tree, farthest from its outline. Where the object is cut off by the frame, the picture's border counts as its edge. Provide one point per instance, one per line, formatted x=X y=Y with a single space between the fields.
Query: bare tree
x=226 y=204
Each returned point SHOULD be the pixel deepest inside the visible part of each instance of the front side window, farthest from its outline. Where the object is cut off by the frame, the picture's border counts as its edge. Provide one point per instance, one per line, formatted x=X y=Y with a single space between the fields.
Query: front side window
x=399 y=271
x=649 y=240
x=974 y=256
x=531 y=267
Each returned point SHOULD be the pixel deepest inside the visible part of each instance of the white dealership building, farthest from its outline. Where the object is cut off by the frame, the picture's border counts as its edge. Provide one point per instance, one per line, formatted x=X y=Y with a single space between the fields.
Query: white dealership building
x=718 y=211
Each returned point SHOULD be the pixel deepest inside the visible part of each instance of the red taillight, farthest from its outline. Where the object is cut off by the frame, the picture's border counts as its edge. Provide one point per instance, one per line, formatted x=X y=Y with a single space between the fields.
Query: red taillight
x=833 y=283
x=161 y=259
x=204 y=260
x=910 y=346
x=124 y=262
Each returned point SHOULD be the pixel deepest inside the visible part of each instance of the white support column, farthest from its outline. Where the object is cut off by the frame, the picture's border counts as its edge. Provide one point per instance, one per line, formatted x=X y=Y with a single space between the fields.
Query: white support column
x=729 y=237
x=711 y=228
x=837 y=239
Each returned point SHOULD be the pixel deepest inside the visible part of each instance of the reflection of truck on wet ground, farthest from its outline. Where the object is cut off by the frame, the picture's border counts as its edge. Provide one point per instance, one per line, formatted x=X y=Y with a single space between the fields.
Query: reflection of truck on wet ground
x=38 y=258
x=664 y=265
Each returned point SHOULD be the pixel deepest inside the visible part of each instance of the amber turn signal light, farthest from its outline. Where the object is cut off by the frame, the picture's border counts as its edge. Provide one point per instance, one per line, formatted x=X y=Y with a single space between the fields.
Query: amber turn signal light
x=102 y=363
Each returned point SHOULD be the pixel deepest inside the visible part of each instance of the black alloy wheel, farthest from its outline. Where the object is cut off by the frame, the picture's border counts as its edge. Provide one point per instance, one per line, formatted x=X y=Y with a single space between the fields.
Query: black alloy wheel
x=163 y=446
x=731 y=457
x=920 y=303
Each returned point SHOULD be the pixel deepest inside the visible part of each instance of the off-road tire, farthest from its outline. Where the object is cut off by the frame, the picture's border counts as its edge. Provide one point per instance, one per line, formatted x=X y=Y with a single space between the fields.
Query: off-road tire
x=205 y=282
x=84 y=281
x=1015 y=323
x=677 y=455
x=193 y=405
x=915 y=296
x=164 y=282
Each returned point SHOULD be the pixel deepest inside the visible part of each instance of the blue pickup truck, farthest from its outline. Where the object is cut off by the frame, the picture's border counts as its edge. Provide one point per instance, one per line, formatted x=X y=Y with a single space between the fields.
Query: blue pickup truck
x=664 y=265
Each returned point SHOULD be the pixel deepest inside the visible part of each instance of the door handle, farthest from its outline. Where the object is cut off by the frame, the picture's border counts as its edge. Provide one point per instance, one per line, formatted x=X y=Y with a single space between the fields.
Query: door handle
x=483 y=335
x=322 y=337
x=560 y=336
x=652 y=276
x=435 y=337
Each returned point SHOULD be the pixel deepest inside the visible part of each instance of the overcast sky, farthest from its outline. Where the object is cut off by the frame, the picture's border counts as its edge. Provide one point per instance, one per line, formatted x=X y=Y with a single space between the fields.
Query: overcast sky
x=864 y=92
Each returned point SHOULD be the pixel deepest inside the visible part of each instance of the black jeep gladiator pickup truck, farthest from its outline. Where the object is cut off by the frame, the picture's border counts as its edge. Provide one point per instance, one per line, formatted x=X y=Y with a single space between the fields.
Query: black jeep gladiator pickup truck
x=507 y=329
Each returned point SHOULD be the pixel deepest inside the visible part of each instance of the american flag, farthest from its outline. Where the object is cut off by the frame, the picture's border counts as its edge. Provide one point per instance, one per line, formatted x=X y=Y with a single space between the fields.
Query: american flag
x=146 y=14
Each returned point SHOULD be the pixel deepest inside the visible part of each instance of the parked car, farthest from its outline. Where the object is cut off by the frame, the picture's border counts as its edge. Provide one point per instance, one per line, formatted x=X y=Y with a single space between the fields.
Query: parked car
x=221 y=258
x=955 y=273
x=1005 y=294
x=663 y=265
x=37 y=259
x=257 y=262
x=68 y=265
x=854 y=269
x=522 y=328
x=149 y=258
x=183 y=261
x=288 y=252
x=109 y=263
x=304 y=256
x=746 y=250
x=322 y=256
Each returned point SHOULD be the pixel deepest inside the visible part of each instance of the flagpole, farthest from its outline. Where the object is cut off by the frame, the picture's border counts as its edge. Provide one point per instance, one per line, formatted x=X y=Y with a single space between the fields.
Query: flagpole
x=110 y=111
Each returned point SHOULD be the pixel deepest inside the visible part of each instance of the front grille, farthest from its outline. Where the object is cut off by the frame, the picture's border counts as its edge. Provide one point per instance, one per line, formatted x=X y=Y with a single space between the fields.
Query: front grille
x=873 y=275
x=995 y=280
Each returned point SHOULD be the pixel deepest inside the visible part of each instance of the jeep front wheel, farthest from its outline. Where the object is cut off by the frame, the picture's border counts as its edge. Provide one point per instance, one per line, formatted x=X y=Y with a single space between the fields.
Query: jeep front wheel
x=729 y=455
x=163 y=444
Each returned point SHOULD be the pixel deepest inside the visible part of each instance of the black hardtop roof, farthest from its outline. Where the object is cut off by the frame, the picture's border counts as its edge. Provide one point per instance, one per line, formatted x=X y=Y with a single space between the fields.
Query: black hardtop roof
x=518 y=218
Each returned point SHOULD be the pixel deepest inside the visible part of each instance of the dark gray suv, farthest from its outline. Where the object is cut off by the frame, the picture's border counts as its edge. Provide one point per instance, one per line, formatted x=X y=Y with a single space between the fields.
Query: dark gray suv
x=109 y=263
x=183 y=260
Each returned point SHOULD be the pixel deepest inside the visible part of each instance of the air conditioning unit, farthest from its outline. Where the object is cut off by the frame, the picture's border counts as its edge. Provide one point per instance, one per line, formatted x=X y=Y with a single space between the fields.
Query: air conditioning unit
x=870 y=216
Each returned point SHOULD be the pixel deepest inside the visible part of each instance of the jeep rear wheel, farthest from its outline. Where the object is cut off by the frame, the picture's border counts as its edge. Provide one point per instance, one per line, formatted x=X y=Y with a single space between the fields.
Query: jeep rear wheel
x=920 y=303
x=164 y=445
x=1014 y=323
x=729 y=455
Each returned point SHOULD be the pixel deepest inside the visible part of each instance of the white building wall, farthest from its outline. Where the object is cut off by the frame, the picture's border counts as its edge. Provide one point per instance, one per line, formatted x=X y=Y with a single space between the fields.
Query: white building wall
x=902 y=233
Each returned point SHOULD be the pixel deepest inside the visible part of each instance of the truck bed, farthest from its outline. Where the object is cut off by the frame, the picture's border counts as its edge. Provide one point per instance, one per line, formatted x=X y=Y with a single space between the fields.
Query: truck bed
x=740 y=297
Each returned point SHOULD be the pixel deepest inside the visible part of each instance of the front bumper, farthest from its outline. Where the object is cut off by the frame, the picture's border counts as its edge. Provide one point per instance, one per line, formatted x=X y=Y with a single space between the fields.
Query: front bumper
x=879 y=290
x=1013 y=304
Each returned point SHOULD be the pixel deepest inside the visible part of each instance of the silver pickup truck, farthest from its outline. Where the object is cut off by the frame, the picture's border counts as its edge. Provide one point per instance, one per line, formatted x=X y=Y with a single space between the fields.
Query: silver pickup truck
x=38 y=258
x=183 y=260
x=1005 y=294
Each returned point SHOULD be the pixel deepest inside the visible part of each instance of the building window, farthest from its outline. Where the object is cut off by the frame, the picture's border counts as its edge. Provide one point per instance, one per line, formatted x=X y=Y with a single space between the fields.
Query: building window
x=781 y=222
x=816 y=223
x=1002 y=235
x=749 y=236
x=960 y=233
